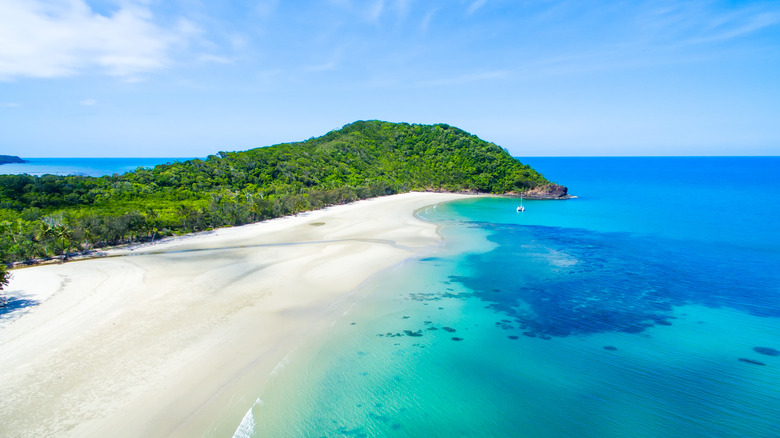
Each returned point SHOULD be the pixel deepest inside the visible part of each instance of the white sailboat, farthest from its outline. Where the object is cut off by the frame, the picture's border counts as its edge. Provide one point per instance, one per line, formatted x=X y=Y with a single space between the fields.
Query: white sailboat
x=520 y=207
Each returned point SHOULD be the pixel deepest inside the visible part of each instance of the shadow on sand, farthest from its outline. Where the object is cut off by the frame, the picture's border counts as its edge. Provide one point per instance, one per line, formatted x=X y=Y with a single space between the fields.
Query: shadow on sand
x=10 y=305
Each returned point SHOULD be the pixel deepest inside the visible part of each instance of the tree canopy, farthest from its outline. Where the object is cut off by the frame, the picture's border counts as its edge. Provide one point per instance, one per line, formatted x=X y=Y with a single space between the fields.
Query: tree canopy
x=3 y=278
x=54 y=215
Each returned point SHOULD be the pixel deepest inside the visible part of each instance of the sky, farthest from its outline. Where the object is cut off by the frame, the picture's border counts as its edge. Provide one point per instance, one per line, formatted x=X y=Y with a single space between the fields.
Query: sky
x=188 y=78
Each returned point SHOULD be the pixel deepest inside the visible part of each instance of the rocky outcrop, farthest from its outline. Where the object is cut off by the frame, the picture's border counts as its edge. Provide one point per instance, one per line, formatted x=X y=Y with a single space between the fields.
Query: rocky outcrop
x=548 y=191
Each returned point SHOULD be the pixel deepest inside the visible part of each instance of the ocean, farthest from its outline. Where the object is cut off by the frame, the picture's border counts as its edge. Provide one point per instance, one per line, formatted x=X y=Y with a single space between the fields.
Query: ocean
x=82 y=166
x=647 y=307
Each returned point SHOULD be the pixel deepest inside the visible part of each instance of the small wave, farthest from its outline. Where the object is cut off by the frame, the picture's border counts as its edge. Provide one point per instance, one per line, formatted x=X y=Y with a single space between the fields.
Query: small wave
x=247 y=427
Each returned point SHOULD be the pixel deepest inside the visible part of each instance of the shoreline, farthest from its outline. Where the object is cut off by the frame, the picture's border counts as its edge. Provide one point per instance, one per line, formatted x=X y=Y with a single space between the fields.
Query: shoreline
x=179 y=339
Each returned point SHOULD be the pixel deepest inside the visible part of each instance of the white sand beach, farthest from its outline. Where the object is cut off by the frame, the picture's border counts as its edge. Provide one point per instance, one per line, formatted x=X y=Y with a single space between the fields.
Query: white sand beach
x=179 y=338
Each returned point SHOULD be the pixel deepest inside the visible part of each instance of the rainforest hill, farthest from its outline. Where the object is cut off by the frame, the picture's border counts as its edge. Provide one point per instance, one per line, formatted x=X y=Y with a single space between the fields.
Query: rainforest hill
x=7 y=159
x=54 y=215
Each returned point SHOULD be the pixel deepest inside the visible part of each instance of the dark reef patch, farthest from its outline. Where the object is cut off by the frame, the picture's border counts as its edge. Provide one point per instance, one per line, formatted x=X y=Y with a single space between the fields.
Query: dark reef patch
x=754 y=362
x=556 y=282
x=766 y=351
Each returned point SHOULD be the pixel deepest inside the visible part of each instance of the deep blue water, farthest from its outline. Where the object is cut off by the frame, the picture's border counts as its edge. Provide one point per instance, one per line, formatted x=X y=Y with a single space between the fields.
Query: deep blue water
x=82 y=166
x=647 y=307
x=644 y=236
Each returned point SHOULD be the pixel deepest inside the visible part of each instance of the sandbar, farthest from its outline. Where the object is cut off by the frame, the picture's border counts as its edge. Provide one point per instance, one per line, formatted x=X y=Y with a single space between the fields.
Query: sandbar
x=177 y=339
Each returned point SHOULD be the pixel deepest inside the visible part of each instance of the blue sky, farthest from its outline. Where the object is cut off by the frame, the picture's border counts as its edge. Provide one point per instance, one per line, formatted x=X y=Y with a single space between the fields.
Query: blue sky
x=540 y=78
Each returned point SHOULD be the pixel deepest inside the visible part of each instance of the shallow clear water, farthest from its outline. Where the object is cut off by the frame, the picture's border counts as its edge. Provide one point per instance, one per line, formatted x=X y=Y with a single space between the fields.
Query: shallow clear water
x=648 y=307
x=82 y=166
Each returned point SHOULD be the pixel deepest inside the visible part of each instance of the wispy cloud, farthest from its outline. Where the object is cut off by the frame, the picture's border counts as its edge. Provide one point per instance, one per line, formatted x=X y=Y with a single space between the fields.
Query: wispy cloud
x=215 y=59
x=40 y=38
x=467 y=78
x=426 y=21
x=266 y=8
x=736 y=27
x=656 y=33
x=326 y=66
x=696 y=24
x=475 y=6
x=402 y=6
x=9 y=105
x=374 y=10
x=88 y=102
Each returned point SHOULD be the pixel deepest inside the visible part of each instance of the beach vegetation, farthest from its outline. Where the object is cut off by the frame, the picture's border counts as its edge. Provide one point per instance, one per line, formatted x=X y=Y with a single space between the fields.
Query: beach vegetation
x=4 y=277
x=49 y=216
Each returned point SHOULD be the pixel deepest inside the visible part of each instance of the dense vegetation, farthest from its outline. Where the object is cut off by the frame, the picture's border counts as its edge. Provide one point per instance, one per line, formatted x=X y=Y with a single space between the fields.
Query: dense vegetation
x=51 y=215
x=3 y=279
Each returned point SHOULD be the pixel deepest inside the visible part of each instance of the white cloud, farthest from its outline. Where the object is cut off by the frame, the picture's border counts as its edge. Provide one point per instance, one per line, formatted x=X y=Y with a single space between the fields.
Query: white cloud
x=88 y=102
x=9 y=105
x=49 y=38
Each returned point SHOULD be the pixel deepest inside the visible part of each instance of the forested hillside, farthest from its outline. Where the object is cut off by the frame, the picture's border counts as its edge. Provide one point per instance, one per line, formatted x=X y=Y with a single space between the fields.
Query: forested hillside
x=5 y=159
x=53 y=215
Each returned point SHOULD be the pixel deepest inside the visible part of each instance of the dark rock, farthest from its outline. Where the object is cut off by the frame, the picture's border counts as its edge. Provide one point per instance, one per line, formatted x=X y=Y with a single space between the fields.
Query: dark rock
x=610 y=348
x=416 y=334
x=448 y=329
x=548 y=191
x=457 y=339
x=754 y=362
x=513 y=337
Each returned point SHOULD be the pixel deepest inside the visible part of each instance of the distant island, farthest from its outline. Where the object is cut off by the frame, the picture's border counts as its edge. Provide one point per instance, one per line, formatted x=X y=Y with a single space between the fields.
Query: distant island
x=7 y=159
x=49 y=216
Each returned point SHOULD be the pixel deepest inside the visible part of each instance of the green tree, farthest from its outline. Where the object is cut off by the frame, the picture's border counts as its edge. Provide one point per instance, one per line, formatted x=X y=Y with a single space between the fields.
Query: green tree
x=4 y=277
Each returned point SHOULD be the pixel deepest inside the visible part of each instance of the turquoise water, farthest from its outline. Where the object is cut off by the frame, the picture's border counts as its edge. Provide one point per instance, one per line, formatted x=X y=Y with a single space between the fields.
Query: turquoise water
x=82 y=166
x=647 y=307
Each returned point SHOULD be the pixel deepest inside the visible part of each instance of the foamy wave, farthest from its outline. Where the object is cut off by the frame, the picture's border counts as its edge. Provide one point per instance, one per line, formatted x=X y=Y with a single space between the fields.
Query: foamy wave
x=247 y=427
